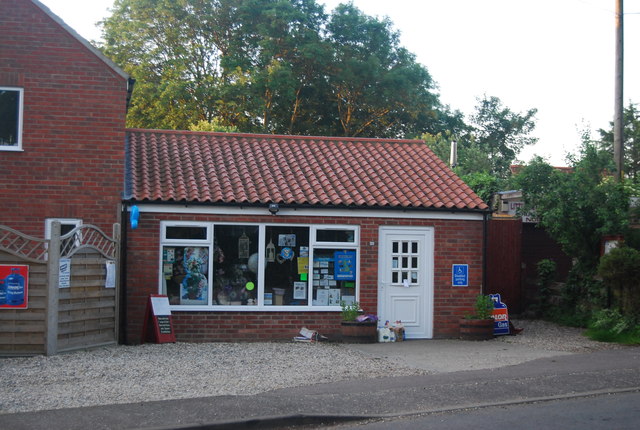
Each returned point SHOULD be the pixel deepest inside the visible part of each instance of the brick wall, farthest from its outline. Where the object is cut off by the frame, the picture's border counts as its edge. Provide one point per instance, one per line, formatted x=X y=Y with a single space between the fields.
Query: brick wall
x=73 y=136
x=455 y=242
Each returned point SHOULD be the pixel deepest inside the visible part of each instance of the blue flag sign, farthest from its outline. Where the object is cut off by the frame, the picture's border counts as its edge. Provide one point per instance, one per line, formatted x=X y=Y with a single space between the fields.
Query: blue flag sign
x=460 y=275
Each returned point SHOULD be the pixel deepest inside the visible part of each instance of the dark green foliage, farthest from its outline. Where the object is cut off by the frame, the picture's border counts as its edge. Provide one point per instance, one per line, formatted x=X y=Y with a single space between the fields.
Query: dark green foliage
x=483 y=308
x=546 y=269
x=631 y=118
x=274 y=66
x=501 y=133
x=483 y=184
x=579 y=207
x=620 y=272
x=609 y=325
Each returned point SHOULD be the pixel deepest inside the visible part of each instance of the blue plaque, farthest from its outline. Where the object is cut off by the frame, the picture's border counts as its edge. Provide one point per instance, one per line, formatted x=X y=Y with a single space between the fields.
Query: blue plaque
x=460 y=275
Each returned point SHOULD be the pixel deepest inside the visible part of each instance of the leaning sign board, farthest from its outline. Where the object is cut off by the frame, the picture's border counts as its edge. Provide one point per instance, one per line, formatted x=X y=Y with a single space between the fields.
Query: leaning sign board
x=500 y=316
x=157 y=325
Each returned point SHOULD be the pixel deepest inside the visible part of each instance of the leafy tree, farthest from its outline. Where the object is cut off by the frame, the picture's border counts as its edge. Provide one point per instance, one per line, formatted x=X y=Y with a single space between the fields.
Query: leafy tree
x=213 y=125
x=579 y=207
x=631 y=118
x=501 y=133
x=473 y=164
x=377 y=87
x=276 y=66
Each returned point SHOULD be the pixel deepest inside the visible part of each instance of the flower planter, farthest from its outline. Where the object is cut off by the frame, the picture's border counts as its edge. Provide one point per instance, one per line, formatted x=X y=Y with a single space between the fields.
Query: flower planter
x=476 y=329
x=359 y=332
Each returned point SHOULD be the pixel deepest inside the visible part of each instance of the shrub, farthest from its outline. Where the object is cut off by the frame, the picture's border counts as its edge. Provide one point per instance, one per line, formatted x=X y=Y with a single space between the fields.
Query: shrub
x=620 y=272
x=609 y=325
x=350 y=311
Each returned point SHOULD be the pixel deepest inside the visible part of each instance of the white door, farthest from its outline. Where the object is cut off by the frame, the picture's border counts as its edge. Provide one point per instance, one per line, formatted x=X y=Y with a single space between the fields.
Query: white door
x=405 y=279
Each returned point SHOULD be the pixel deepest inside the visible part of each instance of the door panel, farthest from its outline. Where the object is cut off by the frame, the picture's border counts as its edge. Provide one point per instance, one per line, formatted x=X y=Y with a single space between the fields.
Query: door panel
x=406 y=279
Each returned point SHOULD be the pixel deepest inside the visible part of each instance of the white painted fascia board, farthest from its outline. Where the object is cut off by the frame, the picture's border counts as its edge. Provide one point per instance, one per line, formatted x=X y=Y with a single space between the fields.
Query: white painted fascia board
x=284 y=212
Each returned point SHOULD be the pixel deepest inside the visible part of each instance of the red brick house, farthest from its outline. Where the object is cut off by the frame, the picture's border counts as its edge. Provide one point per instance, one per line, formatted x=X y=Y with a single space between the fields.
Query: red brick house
x=254 y=236
x=62 y=123
x=62 y=132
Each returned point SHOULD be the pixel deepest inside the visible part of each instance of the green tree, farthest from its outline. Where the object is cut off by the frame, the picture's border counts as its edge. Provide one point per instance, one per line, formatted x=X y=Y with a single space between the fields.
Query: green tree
x=377 y=87
x=501 y=133
x=275 y=66
x=631 y=118
x=579 y=207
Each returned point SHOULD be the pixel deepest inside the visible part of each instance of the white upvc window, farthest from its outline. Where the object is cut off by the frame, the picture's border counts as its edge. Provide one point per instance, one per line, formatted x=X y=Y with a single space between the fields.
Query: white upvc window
x=11 y=107
x=252 y=266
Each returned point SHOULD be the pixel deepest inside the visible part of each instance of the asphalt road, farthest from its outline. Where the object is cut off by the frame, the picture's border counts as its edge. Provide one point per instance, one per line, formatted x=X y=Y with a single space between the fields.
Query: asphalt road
x=620 y=411
x=548 y=383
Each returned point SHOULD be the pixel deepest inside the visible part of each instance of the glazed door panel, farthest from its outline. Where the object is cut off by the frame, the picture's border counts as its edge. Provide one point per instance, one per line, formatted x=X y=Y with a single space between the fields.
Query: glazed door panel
x=405 y=279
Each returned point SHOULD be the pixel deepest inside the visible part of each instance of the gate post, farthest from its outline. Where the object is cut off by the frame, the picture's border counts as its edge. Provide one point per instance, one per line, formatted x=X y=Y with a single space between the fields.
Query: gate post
x=53 y=267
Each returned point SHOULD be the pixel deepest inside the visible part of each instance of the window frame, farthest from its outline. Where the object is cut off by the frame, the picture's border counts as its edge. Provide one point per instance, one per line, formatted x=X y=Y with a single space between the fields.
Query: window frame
x=18 y=145
x=262 y=242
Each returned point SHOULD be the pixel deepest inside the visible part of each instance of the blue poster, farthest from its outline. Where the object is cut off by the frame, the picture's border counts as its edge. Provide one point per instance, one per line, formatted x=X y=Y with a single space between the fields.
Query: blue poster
x=345 y=266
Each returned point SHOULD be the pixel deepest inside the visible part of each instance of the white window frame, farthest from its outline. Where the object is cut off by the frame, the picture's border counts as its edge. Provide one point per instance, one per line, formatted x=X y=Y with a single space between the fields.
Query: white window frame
x=208 y=242
x=18 y=145
x=75 y=222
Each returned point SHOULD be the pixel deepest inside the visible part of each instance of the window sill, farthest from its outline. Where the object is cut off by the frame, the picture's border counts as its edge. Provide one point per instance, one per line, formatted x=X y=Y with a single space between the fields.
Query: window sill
x=182 y=308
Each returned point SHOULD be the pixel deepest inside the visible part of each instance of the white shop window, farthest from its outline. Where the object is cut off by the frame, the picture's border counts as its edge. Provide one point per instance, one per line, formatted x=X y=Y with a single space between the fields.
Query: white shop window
x=223 y=266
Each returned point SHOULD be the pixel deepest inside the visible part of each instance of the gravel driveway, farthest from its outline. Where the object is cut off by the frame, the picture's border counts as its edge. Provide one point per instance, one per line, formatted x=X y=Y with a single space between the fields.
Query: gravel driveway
x=126 y=374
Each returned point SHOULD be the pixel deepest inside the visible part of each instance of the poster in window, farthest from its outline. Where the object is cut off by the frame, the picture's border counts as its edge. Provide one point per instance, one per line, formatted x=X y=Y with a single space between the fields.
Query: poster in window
x=345 y=266
x=287 y=240
x=194 y=286
x=334 y=297
x=300 y=290
x=322 y=298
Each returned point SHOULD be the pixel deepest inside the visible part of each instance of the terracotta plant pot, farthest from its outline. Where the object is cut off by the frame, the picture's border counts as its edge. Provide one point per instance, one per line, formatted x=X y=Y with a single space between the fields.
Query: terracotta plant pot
x=476 y=329
x=359 y=332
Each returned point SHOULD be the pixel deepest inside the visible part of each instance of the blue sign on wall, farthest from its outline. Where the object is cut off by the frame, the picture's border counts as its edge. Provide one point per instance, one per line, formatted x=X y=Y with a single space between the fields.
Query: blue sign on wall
x=460 y=275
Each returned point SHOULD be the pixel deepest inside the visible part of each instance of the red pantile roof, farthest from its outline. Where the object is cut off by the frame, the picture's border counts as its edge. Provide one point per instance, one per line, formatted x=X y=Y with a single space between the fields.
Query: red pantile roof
x=180 y=166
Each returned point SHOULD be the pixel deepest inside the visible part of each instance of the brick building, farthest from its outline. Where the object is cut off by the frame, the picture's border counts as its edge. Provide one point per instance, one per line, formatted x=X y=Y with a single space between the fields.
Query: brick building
x=62 y=128
x=254 y=236
x=250 y=236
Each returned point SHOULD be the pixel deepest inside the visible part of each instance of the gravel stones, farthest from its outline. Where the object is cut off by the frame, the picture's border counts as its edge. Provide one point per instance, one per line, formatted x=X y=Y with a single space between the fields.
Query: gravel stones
x=127 y=374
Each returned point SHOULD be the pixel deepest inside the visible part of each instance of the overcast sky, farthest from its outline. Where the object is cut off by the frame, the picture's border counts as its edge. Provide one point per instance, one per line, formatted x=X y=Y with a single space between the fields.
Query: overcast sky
x=553 y=55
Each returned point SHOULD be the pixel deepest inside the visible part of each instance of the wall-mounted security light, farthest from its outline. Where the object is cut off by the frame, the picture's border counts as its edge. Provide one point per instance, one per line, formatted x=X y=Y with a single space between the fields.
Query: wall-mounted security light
x=274 y=208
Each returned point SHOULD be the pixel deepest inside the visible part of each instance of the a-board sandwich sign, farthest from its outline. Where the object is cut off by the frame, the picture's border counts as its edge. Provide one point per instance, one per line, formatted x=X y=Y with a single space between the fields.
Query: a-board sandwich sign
x=500 y=316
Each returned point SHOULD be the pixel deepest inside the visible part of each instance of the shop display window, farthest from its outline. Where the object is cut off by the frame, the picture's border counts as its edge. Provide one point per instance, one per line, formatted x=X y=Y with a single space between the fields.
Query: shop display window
x=209 y=266
x=334 y=276
x=235 y=265
x=286 y=275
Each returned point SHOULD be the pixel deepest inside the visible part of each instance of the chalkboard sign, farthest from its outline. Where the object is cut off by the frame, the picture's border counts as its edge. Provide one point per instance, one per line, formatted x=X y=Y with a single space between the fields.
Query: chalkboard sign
x=157 y=325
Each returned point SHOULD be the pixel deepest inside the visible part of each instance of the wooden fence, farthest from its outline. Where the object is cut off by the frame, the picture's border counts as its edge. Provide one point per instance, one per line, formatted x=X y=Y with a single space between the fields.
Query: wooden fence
x=62 y=315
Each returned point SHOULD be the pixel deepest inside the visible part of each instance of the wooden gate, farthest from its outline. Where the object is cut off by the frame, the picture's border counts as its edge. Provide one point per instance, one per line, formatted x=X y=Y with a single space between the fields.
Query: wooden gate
x=78 y=313
x=504 y=262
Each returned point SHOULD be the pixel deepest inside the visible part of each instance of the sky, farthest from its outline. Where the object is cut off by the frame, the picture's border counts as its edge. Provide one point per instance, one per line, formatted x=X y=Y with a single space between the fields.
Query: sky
x=557 y=56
